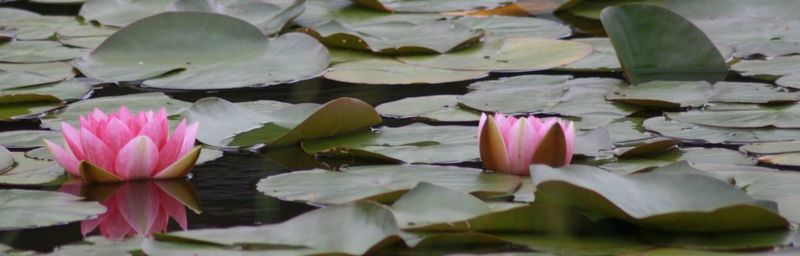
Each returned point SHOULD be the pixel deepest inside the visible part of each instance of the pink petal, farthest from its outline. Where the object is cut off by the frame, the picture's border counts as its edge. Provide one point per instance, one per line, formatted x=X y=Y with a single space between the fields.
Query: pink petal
x=481 y=123
x=521 y=144
x=97 y=152
x=138 y=205
x=116 y=134
x=188 y=139
x=169 y=153
x=73 y=139
x=64 y=158
x=569 y=134
x=137 y=159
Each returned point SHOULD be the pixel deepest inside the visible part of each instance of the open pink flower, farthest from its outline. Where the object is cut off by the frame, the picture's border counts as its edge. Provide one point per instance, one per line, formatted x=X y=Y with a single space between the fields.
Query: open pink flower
x=124 y=146
x=509 y=144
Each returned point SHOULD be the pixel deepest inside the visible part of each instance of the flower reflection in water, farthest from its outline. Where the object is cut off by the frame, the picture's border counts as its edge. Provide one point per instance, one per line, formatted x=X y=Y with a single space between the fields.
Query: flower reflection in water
x=136 y=208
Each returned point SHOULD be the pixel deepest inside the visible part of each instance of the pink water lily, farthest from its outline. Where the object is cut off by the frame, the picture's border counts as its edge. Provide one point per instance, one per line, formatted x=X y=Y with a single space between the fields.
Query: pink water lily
x=509 y=144
x=125 y=146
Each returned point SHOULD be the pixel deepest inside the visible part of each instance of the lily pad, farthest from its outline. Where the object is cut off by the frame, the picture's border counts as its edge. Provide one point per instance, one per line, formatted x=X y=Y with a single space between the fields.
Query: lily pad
x=30 y=208
x=19 y=106
x=662 y=94
x=602 y=59
x=508 y=26
x=771 y=69
x=710 y=134
x=27 y=138
x=591 y=9
x=390 y=71
x=772 y=147
x=359 y=228
x=629 y=165
x=654 y=43
x=14 y=13
x=68 y=90
x=428 y=6
x=382 y=183
x=84 y=36
x=236 y=54
x=36 y=52
x=701 y=204
x=415 y=143
x=235 y=126
x=20 y=75
x=442 y=108
x=270 y=16
x=37 y=27
x=397 y=37
x=135 y=102
x=520 y=54
x=98 y=246
x=28 y=171
x=121 y=13
x=766 y=116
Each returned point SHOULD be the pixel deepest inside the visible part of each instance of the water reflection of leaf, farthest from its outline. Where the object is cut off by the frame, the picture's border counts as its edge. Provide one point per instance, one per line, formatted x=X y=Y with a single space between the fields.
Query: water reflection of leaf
x=136 y=208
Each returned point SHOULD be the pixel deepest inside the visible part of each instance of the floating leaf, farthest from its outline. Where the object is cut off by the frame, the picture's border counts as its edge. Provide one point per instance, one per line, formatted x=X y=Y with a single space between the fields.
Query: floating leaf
x=427 y=6
x=27 y=138
x=359 y=228
x=84 y=36
x=521 y=54
x=766 y=116
x=381 y=183
x=710 y=134
x=679 y=202
x=13 y=13
x=603 y=57
x=415 y=143
x=98 y=246
x=236 y=54
x=628 y=165
x=662 y=94
x=507 y=26
x=36 y=52
x=120 y=14
x=30 y=208
x=772 y=147
x=30 y=172
x=69 y=90
x=442 y=108
x=20 y=75
x=37 y=27
x=135 y=102
x=17 y=106
x=270 y=17
x=769 y=69
x=390 y=71
x=397 y=37
x=654 y=43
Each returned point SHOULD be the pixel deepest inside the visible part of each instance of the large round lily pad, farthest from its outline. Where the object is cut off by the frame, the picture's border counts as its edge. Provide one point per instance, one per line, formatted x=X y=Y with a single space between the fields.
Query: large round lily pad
x=19 y=75
x=163 y=51
x=381 y=183
x=701 y=204
x=710 y=134
x=28 y=171
x=654 y=43
x=519 y=54
x=36 y=52
x=390 y=71
x=28 y=208
x=443 y=108
x=269 y=16
x=37 y=27
x=603 y=57
x=27 y=138
x=781 y=116
x=508 y=26
x=68 y=90
x=121 y=13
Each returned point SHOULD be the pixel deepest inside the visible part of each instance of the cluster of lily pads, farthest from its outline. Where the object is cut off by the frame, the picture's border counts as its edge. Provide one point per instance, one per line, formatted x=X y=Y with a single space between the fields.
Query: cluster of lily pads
x=672 y=159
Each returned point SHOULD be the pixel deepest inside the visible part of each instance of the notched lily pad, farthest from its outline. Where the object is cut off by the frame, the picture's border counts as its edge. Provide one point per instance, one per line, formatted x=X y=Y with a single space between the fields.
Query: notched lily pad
x=382 y=183
x=161 y=51
x=701 y=204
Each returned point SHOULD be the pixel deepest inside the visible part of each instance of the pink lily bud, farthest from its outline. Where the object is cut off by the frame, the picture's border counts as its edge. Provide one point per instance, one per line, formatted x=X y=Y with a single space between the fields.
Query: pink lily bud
x=511 y=145
x=125 y=146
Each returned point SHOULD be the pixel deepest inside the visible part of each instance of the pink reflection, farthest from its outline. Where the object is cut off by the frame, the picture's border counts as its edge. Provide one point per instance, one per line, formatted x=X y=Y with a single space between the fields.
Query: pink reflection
x=136 y=208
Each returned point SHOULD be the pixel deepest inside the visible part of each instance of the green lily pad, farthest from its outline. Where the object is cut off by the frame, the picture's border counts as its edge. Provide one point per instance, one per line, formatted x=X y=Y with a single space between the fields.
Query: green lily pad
x=428 y=6
x=750 y=28
x=422 y=206
x=381 y=183
x=28 y=171
x=83 y=42
x=679 y=202
x=37 y=27
x=654 y=43
x=84 y=36
x=20 y=75
x=666 y=157
x=520 y=54
x=772 y=147
x=790 y=81
x=270 y=17
x=230 y=125
x=236 y=54
x=120 y=14
x=135 y=102
x=508 y=26
x=27 y=138
x=442 y=108
x=98 y=246
x=13 y=13
x=390 y=71
x=754 y=240
x=415 y=143
x=30 y=208
x=602 y=59
x=68 y=90
x=397 y=37
x=662 y=94
x=771 y=69
x=36 y=52
x=710 y=134
x=766 y=116
x=19 y=106
x=359 y=228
